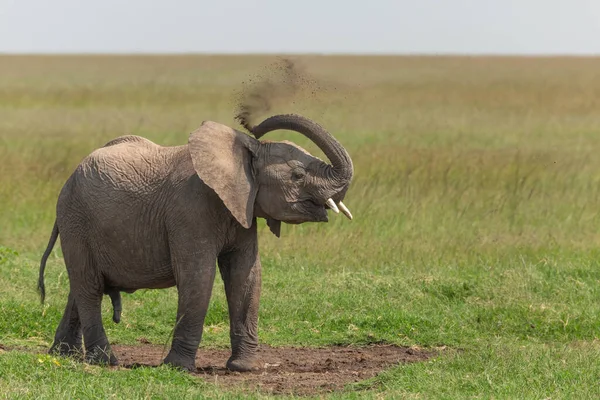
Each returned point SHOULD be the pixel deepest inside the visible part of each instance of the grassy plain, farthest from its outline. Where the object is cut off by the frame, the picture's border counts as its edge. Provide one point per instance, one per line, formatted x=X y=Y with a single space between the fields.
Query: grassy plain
x=477 y=218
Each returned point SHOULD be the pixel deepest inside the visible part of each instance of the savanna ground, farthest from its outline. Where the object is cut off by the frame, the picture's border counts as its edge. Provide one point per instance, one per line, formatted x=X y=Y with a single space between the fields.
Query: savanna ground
x=476 y=233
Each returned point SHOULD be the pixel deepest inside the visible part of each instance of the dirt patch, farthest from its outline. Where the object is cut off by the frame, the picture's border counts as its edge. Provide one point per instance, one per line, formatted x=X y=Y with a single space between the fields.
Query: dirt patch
x=286 y=370
x=301 y=371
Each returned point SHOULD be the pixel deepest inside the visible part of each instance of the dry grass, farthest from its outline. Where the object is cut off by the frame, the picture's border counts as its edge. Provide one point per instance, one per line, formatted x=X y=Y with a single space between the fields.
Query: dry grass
x=439 y=143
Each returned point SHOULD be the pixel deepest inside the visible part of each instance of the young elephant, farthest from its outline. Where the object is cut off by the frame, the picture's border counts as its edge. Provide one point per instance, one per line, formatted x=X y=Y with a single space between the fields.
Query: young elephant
x=137 y=215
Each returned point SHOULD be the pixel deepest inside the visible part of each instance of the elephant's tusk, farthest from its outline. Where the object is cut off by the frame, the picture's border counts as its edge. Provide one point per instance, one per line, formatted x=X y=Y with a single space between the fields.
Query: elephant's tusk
x=345 y=210
x=332 y=205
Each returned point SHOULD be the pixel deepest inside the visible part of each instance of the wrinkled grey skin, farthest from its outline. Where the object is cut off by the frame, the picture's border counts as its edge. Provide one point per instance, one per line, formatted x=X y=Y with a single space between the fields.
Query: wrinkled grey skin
x=137 y=215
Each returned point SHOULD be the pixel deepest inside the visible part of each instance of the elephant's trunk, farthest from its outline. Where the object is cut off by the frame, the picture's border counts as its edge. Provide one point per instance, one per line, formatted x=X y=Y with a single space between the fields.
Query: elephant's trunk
x=341 y=173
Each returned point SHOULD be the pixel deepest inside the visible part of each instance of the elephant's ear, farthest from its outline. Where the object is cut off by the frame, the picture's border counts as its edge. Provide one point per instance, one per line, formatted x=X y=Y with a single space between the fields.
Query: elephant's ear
x=274 y=226
x=222 y=158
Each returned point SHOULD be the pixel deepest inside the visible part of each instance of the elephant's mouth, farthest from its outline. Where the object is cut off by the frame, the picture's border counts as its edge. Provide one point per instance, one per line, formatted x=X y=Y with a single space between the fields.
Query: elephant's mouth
x=310 y=210
x=307 y=211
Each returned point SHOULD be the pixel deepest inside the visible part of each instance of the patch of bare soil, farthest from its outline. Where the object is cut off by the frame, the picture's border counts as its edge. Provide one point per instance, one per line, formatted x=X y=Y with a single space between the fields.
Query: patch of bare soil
x=301 y=371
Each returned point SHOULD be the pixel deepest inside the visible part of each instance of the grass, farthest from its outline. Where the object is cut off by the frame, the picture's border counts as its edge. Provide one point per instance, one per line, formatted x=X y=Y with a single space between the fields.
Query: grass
x=476 y=203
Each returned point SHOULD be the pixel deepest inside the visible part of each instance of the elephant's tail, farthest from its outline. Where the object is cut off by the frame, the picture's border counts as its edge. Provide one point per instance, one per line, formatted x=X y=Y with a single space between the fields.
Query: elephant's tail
x=51 y=242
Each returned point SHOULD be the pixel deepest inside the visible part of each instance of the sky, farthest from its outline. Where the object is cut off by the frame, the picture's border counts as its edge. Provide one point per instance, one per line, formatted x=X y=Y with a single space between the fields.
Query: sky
x=307 y=26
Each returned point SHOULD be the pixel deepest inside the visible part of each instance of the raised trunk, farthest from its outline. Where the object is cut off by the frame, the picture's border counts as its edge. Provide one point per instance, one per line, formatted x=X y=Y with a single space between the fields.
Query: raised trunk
x=342 y=168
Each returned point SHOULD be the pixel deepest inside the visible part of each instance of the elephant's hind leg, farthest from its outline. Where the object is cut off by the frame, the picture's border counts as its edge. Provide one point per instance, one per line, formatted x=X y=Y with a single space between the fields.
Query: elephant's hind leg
x=67 y=339
x=87 y=288
x=97 y=348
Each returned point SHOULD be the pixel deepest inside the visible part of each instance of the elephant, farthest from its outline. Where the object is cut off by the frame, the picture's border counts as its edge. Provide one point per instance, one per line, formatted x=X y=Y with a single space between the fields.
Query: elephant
x=137 y=215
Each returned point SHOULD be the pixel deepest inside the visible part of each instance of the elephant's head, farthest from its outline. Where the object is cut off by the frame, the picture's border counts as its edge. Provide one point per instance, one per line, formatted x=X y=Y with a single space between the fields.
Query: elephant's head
x=278 y=181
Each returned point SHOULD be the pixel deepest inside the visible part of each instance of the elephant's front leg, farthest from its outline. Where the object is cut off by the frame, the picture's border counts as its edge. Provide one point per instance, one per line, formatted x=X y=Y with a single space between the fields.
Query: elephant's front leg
x=195 y=278
x=241 y=272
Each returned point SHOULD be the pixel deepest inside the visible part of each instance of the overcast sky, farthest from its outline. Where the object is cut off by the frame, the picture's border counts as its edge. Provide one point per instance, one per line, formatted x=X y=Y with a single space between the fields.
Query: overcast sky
x=326 y=26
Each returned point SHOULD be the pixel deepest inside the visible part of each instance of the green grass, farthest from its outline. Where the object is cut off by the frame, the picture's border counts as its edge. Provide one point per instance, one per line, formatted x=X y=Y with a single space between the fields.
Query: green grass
x=477 y=219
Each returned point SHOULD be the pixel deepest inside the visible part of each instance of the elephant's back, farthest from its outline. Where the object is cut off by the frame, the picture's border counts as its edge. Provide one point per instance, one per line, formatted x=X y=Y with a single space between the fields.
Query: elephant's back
x=128 y=173
x=128 y=164
x=130 y=139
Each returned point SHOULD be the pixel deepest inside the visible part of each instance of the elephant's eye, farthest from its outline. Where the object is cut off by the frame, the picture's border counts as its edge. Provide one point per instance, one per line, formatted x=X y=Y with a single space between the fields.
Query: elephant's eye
x=298 y=174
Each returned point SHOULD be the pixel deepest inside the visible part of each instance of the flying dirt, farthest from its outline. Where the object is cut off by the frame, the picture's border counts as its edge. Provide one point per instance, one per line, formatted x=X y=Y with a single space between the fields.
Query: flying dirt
x=282 y=83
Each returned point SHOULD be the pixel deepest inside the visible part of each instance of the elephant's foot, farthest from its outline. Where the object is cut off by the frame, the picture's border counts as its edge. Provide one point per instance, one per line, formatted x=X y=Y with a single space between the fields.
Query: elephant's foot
x=66 y=349
x=176 y=360
x=243 y=364
x=100 y=355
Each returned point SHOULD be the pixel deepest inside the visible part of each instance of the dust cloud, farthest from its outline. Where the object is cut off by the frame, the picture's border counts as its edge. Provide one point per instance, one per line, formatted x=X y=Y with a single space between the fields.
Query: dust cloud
x=282 y=83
